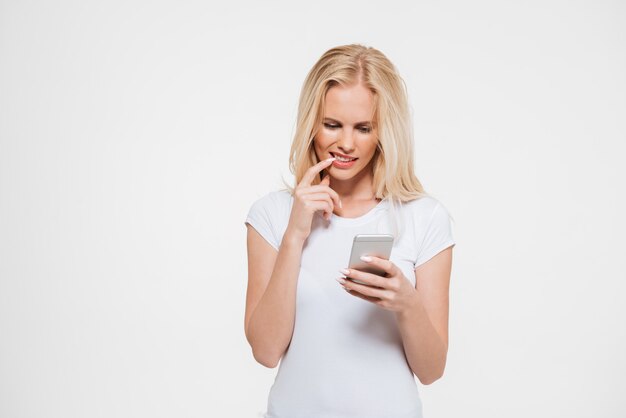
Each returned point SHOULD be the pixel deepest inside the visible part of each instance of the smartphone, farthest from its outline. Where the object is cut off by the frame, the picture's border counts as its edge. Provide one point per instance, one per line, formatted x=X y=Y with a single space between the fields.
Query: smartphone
x=377 y=245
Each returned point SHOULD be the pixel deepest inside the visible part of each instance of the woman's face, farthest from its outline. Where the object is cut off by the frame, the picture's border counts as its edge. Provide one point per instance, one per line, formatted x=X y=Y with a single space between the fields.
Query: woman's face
x=348 y=129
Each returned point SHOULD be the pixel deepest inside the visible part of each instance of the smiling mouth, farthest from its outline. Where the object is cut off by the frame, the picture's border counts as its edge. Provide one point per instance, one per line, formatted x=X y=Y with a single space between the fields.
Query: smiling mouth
x=340 y=158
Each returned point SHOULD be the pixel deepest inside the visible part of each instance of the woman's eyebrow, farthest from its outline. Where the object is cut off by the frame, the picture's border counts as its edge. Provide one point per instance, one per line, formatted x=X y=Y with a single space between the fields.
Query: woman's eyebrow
x=367 y=122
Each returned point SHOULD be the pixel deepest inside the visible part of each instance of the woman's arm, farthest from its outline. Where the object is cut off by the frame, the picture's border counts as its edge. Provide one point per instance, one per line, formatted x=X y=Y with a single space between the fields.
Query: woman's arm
x=271 y=295
x=424 y=326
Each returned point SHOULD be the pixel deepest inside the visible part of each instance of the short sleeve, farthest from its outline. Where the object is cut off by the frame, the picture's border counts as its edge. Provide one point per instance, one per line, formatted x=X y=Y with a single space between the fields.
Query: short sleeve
x=260 y=218
x=438 y=236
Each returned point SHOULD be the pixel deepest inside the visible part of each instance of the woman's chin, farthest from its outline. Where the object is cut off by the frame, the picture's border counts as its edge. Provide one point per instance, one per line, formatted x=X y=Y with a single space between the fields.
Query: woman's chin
x=339 y=174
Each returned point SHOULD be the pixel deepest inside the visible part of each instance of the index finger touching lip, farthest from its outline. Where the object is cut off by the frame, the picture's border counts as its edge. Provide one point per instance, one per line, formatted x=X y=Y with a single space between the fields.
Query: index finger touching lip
x=311 y=172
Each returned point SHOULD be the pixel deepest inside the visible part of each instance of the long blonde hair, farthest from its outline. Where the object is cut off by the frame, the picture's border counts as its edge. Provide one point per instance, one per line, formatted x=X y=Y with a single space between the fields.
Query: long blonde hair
x=393 y=171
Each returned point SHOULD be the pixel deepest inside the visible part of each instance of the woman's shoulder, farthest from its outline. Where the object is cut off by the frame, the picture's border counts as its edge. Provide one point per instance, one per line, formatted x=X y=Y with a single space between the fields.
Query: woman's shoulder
x=424 y=208
x=274 y=199
x=423 y=203
x=280 y=196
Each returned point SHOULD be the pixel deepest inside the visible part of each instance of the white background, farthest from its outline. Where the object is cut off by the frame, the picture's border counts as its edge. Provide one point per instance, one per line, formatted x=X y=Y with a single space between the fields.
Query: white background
x=134 y=136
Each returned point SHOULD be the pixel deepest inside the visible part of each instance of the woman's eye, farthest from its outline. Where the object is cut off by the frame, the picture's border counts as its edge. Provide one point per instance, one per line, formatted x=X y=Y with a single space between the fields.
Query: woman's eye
x=329 y=126
x=365 y=129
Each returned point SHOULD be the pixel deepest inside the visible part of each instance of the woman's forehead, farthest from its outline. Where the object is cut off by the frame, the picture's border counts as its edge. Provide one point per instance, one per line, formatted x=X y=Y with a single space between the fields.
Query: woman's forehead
x=351 y=104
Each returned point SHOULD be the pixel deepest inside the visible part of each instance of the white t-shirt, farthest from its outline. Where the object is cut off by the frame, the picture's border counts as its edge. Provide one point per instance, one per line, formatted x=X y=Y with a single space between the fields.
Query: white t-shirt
x=346 y=357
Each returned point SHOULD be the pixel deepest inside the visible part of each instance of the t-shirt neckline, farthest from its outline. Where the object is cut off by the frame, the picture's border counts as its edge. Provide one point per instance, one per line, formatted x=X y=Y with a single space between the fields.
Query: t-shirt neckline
x=367 y=216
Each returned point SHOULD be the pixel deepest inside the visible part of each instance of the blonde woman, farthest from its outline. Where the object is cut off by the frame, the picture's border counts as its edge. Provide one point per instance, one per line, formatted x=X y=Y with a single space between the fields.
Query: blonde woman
x=348 y=349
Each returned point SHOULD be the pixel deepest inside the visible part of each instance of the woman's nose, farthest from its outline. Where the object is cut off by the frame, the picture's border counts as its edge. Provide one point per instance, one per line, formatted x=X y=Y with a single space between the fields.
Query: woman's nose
x=346 y=139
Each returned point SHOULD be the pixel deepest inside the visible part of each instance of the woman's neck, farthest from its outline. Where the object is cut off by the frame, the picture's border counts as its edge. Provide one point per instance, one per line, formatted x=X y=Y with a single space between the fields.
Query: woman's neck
x=359 y=188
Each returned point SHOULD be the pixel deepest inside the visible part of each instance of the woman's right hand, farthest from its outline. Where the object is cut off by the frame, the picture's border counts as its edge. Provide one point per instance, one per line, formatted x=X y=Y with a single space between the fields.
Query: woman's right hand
x=310 y=199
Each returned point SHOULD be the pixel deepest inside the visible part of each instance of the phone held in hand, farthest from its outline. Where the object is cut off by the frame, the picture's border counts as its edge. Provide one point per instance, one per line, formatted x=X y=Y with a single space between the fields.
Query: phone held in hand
x=377 y=245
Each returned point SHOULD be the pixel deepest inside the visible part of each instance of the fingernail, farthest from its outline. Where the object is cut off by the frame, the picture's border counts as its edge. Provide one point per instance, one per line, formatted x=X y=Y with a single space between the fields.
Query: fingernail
x=329 y=159
x=340 y=205
x=366 y=258
x=344 y=271
x=341 y=280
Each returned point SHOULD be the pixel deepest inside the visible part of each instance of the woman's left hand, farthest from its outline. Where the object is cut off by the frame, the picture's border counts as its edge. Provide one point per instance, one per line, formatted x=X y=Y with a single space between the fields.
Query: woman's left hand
x=394 y=292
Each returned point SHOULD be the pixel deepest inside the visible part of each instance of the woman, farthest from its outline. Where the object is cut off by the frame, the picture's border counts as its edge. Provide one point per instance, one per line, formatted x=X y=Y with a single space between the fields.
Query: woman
x=349 y=349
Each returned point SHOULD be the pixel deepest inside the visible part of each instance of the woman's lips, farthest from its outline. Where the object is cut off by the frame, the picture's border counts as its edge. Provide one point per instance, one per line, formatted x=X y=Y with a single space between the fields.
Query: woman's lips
x=343 y=164
x=342 y=156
